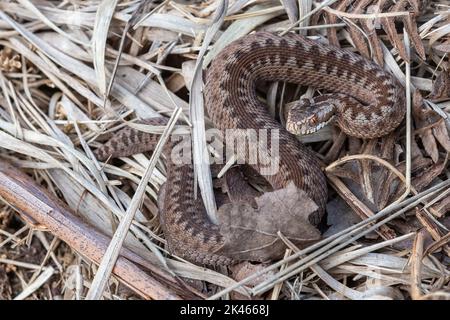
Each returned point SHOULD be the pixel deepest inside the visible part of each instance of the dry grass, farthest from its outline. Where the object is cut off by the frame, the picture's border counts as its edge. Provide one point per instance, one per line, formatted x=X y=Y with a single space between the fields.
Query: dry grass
x=72 y=73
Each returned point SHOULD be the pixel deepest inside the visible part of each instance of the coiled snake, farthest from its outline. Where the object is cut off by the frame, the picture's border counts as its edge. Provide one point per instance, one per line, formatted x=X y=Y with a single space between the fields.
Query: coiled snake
x=366 y=102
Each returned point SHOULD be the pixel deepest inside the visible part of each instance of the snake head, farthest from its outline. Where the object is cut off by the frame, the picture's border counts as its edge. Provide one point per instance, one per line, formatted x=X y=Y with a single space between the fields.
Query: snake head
x=307 y=116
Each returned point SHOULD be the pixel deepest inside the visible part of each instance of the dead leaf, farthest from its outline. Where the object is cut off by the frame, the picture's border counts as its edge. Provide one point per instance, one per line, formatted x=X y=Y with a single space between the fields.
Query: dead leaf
x=428 y=175
x=442 y=207
x=251 y=233
x=245 y=269
x=441 y=87
x=339 y=216
x=441 y=134
x=429 y=144
x=422 y=117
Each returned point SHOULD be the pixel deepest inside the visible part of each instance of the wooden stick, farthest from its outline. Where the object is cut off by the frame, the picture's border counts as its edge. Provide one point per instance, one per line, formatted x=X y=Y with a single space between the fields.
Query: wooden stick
x=28 y=198
x=416 y=265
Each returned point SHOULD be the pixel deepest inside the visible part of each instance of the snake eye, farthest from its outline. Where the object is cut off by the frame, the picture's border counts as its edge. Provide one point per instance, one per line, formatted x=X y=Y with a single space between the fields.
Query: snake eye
x=313 y=121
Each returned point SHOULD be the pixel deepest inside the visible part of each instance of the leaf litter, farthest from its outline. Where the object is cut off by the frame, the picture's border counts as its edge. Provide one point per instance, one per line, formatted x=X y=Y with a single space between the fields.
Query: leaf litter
x=69 y=84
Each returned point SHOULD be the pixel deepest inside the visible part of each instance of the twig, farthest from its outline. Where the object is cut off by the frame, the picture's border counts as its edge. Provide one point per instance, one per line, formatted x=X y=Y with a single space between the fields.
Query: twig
x=416 y=261
x=22 y=193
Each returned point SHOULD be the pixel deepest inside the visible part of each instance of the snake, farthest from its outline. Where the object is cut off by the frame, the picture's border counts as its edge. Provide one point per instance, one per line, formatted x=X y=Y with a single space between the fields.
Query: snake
x=358 y=96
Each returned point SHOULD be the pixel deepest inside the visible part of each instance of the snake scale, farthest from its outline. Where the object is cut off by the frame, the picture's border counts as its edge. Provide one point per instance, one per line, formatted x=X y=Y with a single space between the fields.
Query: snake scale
x=365 y=102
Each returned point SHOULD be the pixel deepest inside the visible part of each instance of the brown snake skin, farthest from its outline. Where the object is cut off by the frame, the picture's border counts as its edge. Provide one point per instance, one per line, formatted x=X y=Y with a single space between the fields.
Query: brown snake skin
x=368 y=102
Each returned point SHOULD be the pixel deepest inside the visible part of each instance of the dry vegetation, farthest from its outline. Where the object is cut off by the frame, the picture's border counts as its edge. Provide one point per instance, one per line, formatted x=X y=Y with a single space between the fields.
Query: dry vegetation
x=389 y=198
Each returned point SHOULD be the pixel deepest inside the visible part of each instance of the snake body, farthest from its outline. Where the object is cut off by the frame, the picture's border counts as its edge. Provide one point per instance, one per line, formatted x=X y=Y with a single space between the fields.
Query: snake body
x=367 y=102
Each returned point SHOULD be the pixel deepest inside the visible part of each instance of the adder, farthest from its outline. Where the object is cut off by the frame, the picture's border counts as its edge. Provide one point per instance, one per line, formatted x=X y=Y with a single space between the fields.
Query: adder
x=363 y=100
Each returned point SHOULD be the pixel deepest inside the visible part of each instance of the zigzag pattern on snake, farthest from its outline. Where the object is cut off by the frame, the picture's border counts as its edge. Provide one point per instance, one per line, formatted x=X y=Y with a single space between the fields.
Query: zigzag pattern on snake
x=366 y=102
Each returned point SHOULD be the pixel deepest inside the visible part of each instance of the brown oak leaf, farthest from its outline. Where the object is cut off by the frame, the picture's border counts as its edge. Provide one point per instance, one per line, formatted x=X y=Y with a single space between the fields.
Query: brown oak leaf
x=252 y=233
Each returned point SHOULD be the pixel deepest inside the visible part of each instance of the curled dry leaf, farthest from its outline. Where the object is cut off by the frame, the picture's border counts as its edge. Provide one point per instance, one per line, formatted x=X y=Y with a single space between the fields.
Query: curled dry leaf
x=429 y=126
x=442 y=207
x=440 y=132
x=425 y=119
x=245 y=269
x=339 y=216
x=429 y=175
x=251 y=233
x=441 y=87
x=429 y=144
x=356 y=34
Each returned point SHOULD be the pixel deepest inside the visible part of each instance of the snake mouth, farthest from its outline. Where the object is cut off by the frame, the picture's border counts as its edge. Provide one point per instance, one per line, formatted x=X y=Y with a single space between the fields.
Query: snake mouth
x=306 y=126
